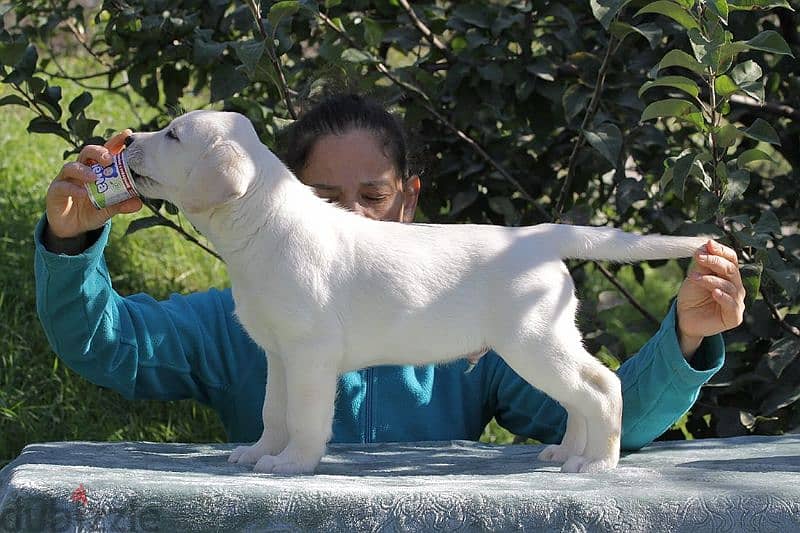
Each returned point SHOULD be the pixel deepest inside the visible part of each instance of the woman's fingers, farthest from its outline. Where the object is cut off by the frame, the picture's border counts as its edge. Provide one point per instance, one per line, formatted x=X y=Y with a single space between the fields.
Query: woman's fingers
x=93 y=152
x=720 y=265
x=117 y=142
x=711 y=282
x=77 y=172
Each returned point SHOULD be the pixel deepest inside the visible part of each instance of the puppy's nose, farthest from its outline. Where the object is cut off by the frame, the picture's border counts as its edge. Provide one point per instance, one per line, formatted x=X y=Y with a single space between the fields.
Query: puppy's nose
x=128 y=140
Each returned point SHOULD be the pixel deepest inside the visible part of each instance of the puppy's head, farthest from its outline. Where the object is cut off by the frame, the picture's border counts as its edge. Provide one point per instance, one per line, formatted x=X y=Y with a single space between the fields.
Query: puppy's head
x=200 y=161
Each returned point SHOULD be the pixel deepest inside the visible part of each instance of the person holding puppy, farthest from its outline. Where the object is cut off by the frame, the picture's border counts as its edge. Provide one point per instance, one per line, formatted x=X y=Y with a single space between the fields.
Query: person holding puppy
x=351 y=152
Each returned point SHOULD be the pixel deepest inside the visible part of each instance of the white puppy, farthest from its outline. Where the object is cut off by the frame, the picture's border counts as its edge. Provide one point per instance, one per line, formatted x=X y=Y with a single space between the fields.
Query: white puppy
x=325 y=291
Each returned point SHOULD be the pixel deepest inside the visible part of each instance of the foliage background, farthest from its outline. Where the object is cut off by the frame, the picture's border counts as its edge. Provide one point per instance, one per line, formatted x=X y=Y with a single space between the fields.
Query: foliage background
x=521 y=112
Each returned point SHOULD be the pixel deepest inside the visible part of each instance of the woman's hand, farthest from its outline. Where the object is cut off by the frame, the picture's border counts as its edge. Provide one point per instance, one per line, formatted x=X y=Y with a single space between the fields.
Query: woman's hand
x=711 y=299
x=70 y=213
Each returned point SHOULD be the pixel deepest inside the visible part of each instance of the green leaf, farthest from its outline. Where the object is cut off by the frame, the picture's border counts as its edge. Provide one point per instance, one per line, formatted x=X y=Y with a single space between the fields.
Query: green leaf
x=143 y=223
x=491 y=72
x=332 y=3
x=678 y=82
x=11 y=53
x=679 y=58
x=672 y=10
x=736 y=185
x=227 y=81
x=575 y=99
x=503 y=206
x=354 y=55
x=760 y=5
x=651 y=32
x=761 y=130
x=749 y=71
x=629 y=191
x=605 y=10
x=13 y=99
x=770 y=41
x=751 y=279
x=473 y=14
x=205 y=52
x=680 y=170
x=768 y=223
x=725 y=86
x=50 y=98
x=281 y=10
x=720 y=9
x=24 y=67
x=373 y=33
x=604 y=355
x=750 y=156
x=42 y=124
x=726 y=136
x=81 y=126
x=674 y=107
x=754 y=89
x=782 y=353
x=747 y=76
x=716 y=54
x=726 y=54
x=707 y=205
x=606 y=139
x=80 y=102
x=788 y=280
x=249 y=53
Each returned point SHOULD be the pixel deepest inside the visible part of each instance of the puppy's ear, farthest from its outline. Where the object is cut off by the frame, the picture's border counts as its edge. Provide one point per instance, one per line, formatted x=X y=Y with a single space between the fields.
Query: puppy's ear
x=222 y=173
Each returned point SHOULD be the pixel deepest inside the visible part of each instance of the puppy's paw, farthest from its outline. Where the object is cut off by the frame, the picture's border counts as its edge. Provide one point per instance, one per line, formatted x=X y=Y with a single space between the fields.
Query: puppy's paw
x=250 y=455
x=285 y=464
x=557 y=453
x=585 y=465
x=237 y=453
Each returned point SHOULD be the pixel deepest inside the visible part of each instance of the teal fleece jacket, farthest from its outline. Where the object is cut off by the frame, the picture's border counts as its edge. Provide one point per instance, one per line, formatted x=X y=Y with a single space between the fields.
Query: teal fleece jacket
x=191 y=346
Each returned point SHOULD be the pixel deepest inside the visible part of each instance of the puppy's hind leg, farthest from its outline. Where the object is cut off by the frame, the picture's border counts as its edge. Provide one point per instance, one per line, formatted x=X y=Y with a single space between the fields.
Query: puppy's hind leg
x=275 y=435
x=569 y=374
x=574 y=440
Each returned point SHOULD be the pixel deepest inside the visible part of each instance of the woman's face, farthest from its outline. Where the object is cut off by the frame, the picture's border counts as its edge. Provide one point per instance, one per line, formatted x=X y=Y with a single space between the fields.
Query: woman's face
x=353 y=171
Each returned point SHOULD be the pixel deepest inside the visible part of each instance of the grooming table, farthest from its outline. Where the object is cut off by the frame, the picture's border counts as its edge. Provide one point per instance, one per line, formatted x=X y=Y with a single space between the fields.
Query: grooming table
x=735 y=484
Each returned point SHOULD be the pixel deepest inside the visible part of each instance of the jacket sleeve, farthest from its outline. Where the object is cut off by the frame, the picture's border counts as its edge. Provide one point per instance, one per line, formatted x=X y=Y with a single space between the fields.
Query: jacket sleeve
x=183 y=347
x=658 y=387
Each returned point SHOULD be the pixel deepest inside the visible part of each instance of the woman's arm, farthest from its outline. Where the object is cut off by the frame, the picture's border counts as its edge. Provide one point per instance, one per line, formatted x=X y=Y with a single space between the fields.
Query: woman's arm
x=184 y=347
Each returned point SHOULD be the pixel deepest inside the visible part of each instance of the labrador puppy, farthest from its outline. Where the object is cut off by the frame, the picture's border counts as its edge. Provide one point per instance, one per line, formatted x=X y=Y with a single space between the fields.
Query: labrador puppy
x=321 y=291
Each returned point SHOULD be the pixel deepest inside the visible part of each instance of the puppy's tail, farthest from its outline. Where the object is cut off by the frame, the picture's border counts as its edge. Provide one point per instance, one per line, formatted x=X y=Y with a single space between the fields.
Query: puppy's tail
x=611 y=244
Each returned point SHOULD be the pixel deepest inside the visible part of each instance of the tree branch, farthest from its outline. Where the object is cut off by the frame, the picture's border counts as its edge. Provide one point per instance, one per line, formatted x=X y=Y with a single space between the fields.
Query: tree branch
x=426 y=31
x=639 y=307
x=590 y=112
x=782 y=110
x=85 y=45
x=191 y=238
x=283 y=87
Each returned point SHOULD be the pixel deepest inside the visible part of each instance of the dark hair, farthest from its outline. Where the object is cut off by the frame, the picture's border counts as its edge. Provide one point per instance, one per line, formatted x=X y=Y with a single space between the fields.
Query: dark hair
x=340 y=114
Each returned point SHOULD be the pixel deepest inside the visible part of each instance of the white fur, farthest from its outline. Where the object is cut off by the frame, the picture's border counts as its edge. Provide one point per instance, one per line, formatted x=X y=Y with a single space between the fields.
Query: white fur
x=325 y=291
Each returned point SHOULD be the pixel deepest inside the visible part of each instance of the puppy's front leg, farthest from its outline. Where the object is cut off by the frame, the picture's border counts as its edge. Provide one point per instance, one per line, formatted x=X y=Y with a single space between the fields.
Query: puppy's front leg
x=275 y=435
x=310 y=394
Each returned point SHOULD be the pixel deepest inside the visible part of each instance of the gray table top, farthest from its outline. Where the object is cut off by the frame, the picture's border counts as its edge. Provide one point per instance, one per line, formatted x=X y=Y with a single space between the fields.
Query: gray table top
x=736 y=484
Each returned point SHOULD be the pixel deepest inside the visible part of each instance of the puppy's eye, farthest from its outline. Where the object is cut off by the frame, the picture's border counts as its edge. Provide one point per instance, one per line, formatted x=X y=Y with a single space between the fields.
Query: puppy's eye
x=171 y=135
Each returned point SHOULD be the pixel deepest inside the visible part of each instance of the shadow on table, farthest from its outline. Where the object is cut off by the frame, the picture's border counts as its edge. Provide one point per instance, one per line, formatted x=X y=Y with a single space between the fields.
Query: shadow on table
x=784 y=463
x=418 y=459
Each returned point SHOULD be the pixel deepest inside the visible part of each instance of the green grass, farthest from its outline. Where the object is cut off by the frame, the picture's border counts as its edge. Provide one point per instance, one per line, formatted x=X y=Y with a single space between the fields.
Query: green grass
x=41 y=399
